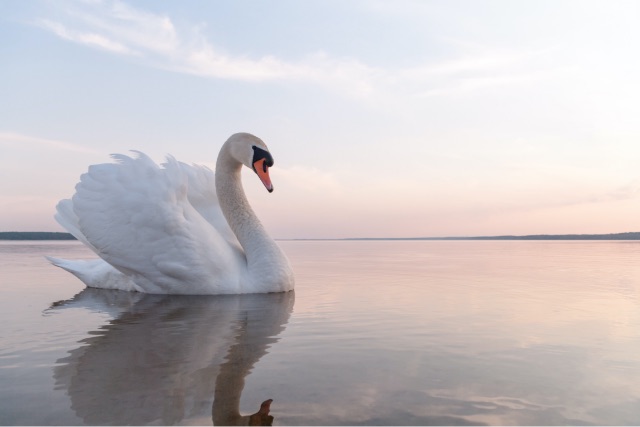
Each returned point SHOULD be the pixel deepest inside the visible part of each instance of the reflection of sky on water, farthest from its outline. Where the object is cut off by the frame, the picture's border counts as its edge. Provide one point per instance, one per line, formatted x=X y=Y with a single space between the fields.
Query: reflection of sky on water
x=381 y=333
x=495 y=332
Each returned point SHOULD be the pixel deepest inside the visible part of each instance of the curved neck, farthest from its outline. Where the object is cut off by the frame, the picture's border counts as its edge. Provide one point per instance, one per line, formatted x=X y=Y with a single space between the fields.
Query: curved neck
x=234 y=204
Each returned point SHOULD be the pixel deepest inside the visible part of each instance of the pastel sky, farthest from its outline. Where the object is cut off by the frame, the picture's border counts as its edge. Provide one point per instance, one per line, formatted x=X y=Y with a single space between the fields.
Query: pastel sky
x=385 y=118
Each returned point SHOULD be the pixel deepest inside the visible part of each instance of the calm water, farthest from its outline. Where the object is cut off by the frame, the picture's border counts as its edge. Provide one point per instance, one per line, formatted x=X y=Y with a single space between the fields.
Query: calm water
x=393 y=333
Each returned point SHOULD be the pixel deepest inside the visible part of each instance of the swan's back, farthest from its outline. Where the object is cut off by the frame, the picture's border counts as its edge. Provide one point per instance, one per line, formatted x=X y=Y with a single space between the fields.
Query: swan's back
x=160 y=226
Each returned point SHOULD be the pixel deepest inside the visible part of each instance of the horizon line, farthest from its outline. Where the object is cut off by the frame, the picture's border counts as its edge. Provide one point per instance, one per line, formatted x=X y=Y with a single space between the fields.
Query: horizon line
x=628 y=235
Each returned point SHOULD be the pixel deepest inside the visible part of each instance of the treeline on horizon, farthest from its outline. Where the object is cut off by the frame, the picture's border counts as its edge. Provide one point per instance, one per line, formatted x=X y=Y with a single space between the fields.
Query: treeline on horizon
x=35 y=235
x=612 y=236
x=48 y=235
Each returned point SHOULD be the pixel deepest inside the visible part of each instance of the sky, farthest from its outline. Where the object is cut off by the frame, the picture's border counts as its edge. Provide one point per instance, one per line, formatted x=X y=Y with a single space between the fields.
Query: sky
x=385 y=118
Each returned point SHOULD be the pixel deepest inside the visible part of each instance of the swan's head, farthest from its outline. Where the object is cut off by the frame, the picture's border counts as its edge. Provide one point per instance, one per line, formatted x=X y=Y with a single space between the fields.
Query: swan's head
x=252 y=152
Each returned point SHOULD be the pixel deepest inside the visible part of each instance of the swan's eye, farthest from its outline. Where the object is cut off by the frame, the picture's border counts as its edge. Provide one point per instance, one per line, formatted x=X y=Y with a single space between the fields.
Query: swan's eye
x=260 y=154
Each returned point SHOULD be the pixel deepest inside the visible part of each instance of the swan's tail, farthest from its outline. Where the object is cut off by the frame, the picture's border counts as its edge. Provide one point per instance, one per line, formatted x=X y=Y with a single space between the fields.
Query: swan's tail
x=96 y=273
x=72 y=266
x=79 y=268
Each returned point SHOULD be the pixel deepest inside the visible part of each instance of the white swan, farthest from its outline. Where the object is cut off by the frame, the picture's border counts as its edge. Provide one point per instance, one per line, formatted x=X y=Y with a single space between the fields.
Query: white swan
x=175 y=229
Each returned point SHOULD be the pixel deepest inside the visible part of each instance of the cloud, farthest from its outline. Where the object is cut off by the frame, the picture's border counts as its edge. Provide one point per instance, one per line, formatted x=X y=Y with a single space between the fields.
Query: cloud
x=628 y=191
x=122 y=29
x=85 y=38
x=119 y=28
x=13 y=138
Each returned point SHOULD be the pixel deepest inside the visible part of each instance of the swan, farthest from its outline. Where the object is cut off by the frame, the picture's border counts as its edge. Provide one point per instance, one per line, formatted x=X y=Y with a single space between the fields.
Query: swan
x=175 y=228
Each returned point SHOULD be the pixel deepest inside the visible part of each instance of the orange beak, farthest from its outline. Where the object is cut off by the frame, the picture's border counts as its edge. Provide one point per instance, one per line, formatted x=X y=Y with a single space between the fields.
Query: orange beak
x=263 y=173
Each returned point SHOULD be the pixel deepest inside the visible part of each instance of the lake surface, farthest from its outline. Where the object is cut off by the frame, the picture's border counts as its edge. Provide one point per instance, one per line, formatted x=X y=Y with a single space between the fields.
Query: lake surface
x=376 y=332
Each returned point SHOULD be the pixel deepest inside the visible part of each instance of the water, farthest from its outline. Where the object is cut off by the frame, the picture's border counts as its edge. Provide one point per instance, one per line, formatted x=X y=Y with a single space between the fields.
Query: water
x=377 y=332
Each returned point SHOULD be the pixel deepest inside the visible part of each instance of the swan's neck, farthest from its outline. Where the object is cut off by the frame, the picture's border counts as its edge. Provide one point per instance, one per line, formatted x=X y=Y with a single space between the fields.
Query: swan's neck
x=263 y=255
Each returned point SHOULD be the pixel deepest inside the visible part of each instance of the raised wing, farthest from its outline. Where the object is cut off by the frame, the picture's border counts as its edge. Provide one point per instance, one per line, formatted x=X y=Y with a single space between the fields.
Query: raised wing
x=139 y=218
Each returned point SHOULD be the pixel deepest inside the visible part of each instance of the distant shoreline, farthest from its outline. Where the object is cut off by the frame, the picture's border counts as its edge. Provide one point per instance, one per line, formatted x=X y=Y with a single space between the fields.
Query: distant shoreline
x=45 y=235
x=612 y=236
x=35 y=235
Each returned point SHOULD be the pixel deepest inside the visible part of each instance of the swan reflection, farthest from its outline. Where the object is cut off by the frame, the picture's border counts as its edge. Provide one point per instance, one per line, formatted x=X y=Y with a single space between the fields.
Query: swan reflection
x=165 y=359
